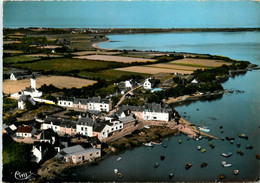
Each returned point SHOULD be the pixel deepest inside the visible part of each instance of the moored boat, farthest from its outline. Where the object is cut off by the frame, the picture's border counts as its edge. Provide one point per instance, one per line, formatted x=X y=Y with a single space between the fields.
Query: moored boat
x=257 y=156
x=147 y=126
x=203 y=165
x=156 y=165
x=188 y=165
x=149 y=144
x=116 y=170
x=203 y=150
x=204 y=129
x=164 y=145
x=118 y=159
x=120 y=175
x=171 y=175
x=156 y=142
x=225 y=164
x=180 y=141
x=227 y=154
x=221 y=176
x=238 y=144
x=162 y=157
x=199 y=147
x=236 y=172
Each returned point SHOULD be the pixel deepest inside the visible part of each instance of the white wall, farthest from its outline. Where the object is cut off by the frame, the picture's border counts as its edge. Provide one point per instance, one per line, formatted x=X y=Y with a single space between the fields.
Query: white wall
x=147 y=85
x=23 y=134
x=98 y=107
x=85 y=130
x=156 y=116
x=55 y=128
x=65 y=103
x=21 y=105
x=37 y=154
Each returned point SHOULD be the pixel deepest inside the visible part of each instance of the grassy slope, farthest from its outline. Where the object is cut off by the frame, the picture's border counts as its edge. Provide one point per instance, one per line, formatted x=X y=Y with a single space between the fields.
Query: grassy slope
x=18 y=59
x=65 y=65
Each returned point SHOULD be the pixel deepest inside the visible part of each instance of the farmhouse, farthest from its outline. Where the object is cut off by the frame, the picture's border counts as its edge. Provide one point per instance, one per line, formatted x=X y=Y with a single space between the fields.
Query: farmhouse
x=65 y=101
x=148 y=84
x=98 y=104
x=17 y=76
x=77 y=154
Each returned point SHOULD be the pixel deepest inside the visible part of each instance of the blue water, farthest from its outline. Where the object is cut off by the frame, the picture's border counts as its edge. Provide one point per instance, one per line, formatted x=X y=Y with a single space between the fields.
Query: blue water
x=133 y=14
x=237 y=113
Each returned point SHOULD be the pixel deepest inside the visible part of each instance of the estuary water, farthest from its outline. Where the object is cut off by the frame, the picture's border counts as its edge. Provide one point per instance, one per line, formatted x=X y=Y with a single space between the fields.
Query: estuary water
x=237 y=113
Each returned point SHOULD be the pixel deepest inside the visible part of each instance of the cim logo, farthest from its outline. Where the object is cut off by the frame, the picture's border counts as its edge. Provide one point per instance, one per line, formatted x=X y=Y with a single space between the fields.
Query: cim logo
x=22 y=175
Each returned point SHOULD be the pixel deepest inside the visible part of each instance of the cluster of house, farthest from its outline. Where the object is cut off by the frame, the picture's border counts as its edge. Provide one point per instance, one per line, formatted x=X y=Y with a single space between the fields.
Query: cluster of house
x=90 y=104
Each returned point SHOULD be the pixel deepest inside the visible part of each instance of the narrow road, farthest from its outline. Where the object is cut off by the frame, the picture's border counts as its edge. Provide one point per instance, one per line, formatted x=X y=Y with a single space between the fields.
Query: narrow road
x=122 y=99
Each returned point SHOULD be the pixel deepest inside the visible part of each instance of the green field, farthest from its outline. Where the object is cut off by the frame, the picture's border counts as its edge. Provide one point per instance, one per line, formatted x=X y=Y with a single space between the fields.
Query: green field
x=6 y=158
x=68 y=64
x=17 y=59
x=108 y=74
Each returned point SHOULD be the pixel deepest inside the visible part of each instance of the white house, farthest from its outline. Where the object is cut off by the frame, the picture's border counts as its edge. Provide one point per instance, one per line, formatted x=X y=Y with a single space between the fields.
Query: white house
x=148 y=84
x=52 y=123
x=65 y=102
x=156 y=112
x=13 y=77
x=85 y=126
x=194 y=81
x=25 y=131
x=40 y=151
x=98 y=104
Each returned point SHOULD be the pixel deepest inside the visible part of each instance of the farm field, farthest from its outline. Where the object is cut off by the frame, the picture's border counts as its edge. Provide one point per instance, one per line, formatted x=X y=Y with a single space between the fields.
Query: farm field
x=173 y=66
x=67 y=65
x=81 y=53
x=153 y=70
x=200 y=62
x=108 y=74
x=12 y=51
x=115 y=58
x=18 y=59
x=58 y=81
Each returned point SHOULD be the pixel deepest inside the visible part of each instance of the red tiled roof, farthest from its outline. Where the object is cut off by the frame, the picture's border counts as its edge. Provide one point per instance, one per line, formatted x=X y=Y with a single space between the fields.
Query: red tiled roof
x=24 y=129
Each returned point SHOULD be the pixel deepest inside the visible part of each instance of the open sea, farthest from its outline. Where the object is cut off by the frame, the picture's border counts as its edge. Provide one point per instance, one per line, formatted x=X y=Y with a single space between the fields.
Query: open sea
x=237 y=113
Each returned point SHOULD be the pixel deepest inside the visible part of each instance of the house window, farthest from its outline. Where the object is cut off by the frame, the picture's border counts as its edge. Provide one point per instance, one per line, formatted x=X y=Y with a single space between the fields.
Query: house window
x=116 y=128
x=86 y=129
x=100 y=105
x=64 y=103
x=154 y=117
x=103 y=133
x=79 y=157
x=112 y=128
x=90 y=154
x=82 y=128
x=97 y=153
x=55 y=127
x=107 y=131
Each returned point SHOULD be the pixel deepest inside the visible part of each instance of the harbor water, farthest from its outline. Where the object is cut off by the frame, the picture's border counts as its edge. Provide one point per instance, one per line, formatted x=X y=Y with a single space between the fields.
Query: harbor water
x=237 y=113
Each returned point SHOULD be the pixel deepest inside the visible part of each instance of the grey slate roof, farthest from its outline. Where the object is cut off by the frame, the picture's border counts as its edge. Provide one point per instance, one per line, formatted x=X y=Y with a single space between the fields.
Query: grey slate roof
x=127 y=119
x=66 y=98
x=99 y=127
x=98 y=100
x=86 y=121
x=73 y=149
x=82 y=101
x=60 y=122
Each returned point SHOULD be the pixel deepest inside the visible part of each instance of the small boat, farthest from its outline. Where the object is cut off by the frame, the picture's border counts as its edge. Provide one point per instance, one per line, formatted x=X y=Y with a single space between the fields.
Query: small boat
x=236 y=172
x=149 y=144
x=180 y=141
x=199 y=147
x=238 y=144
x=249 y=146
x=164 y=145
x=231 y=141
x=221 y=176
x=162 y=157
x=203 y=165
x=227 y=154
x=188 y=165
x=120 y=175
x=116 y=171
x=220 y=127
x=212 y=147
x=156 y=165
x=210 y=143
x=199 y=125
x=224 y=164
x=257 y=156
x=147 y=126
x=241 y=135
x=171 y=175
x=204 y=129
x=118 y=159
x=156 y=142
x=203 y=150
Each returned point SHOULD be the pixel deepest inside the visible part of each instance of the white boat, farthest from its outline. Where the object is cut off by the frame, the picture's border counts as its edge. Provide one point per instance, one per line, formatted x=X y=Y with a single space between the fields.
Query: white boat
x=226 y=154
x=149 y=144
x=236 y=172
x=224 y=164
x=118 y=159
x=204 y=129
x=116 y=171
x=199 y=147
x=147 y=126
